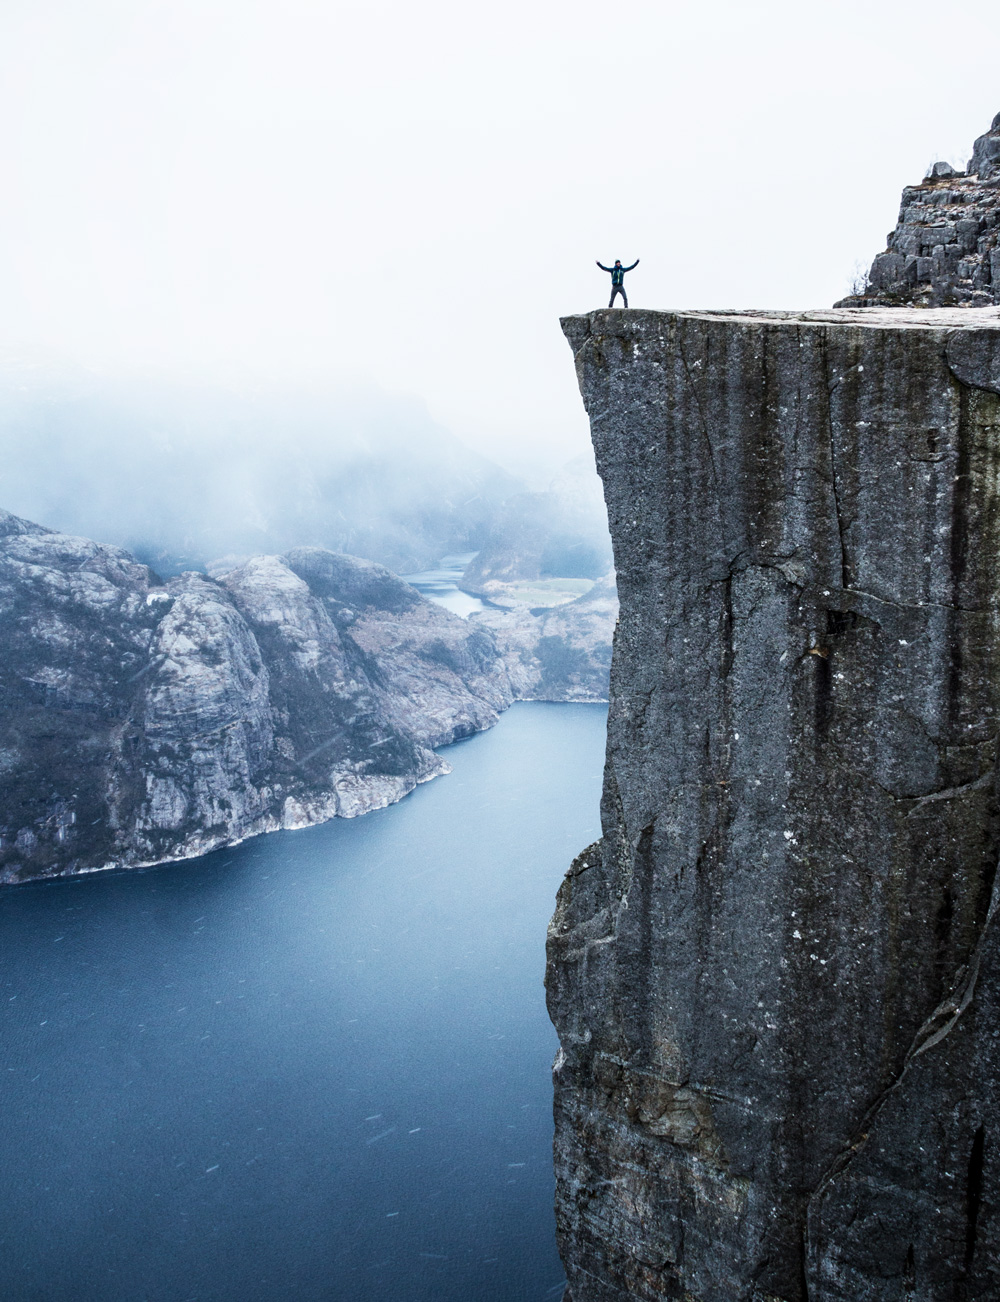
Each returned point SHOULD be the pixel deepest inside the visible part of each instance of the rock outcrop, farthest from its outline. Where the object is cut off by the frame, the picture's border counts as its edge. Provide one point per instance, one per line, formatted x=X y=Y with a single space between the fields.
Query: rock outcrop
x=776 y=979
x=144 y=721
x=944 y=250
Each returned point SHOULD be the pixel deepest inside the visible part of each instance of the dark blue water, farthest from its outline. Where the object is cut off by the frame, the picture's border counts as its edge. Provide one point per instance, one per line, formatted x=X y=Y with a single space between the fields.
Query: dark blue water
x=315 y=1066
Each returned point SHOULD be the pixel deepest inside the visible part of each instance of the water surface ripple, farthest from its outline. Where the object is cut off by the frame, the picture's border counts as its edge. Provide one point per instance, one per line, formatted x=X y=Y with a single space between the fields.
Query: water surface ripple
x=314 y=1066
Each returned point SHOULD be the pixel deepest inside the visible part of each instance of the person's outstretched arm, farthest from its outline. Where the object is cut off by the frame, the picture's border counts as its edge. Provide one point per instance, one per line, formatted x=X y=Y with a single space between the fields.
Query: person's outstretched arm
x=604 y=268
x=634 y=264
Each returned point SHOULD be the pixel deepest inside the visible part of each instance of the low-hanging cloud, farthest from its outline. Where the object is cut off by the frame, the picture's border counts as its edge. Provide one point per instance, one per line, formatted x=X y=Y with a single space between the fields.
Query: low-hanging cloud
x=182 y=476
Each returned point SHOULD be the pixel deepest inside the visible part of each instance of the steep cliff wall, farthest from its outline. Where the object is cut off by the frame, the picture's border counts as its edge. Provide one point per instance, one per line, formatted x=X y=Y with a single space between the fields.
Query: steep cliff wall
x=776 y=978
x=142 y=721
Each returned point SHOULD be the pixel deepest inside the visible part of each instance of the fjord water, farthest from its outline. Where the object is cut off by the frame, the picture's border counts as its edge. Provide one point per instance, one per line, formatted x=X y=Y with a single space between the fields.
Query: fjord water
x=441 y=585
x=312 y=1066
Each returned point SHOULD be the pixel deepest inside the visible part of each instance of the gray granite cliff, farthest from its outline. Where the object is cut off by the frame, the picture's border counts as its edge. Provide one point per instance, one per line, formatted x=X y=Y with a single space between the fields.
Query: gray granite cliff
x=776 y=979
x=944 y=250
x=142 y=721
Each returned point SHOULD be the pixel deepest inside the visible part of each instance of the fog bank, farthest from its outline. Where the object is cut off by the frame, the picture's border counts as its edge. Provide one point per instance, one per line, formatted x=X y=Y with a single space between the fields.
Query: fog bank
x=182 y=476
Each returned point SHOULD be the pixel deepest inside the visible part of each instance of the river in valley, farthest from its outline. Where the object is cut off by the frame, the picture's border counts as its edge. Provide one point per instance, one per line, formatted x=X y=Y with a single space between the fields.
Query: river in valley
x=312 y=1066
x=441 y=585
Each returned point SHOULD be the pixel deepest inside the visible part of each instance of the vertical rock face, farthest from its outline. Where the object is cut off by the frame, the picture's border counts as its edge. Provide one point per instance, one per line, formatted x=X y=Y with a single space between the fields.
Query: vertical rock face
x=944 y=249
x=776 y=978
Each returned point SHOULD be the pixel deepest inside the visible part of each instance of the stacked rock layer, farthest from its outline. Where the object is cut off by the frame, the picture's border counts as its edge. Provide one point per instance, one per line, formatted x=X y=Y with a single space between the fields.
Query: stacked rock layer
x=776 y=980
x=944 y=250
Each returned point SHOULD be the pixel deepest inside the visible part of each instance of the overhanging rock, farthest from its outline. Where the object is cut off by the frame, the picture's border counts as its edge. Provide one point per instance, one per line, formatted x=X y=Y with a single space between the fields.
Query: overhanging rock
x=776 y=979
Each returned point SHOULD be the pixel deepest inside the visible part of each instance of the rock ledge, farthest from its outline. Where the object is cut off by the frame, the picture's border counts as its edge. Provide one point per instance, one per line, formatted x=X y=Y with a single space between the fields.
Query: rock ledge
x=776 y=980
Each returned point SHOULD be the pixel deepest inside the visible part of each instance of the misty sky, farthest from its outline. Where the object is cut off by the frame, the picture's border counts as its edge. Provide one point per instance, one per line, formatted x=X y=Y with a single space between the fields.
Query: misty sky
x=410 y=194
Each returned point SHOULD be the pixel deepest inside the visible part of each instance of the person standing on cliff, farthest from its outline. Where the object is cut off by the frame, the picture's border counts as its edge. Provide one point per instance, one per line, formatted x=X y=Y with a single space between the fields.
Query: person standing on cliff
x=618 y=279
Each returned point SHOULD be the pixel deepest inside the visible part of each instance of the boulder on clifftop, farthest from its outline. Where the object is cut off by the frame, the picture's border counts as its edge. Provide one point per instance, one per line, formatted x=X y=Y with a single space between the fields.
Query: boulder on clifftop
x=944 y=250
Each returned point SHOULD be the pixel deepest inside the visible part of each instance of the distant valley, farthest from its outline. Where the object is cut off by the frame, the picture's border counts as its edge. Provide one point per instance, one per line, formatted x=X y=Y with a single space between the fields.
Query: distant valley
x=147 y=719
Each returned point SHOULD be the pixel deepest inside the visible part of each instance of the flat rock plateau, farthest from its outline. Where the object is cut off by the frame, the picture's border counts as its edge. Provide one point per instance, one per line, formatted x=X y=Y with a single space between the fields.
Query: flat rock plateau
x=776 y=979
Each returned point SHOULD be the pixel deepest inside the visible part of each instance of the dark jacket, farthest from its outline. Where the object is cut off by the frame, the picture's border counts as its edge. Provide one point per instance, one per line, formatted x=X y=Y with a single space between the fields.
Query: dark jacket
x=617 y=273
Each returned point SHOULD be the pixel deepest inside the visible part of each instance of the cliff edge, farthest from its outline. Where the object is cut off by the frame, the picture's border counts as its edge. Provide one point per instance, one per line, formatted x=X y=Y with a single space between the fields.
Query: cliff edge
x=776 y=980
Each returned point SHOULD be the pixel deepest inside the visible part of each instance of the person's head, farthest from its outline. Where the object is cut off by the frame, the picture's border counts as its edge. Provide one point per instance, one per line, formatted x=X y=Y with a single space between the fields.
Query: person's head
x=618 y=262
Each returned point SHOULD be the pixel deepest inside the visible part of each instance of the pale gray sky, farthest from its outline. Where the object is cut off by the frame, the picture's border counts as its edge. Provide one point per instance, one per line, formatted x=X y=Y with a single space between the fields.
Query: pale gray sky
x=411 y=194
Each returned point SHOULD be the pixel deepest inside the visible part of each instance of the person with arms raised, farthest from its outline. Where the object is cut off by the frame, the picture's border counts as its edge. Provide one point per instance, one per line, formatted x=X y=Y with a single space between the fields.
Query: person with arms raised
x=618 y=279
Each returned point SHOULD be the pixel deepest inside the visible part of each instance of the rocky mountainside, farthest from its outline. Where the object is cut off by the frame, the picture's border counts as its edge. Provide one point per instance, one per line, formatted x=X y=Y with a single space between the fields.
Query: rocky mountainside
x=944 y=249
x=145 y=720
x=776 y=980
x=562 y=654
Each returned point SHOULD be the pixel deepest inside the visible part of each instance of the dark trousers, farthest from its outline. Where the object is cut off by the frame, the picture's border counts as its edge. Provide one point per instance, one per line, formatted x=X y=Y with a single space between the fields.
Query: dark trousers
x=615 y=290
